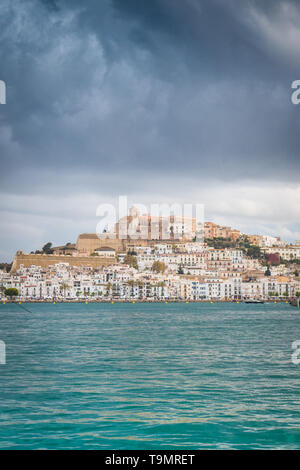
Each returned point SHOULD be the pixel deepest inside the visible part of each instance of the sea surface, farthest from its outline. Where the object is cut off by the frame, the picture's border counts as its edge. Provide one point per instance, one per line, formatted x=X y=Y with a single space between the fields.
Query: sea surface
x=149 y=376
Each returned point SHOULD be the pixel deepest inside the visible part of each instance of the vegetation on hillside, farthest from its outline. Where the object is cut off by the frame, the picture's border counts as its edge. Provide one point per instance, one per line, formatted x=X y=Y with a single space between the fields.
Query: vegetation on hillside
x=220 y=243
x=47 y=248
x=242 y=243
x=158 y=267
x=131 y=261
x=180 y=270
x=132 y=253
x=6 y=266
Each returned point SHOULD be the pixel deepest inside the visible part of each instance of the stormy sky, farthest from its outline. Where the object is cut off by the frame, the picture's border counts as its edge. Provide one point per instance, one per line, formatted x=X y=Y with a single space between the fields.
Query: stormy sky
x=185 y=101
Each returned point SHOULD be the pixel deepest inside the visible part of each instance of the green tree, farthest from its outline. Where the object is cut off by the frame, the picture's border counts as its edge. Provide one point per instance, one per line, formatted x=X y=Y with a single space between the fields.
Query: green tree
x=161 y=284
x=11 y=292
x=158 y=267
x=243 y=240
x=180 y=270
x=47 y=248
x=131 y=261
x=6 y=266
x=108 y=288
x=254 y=252
x=64 y=287
x=220 y=242
x=268 y=272
x=132 y=253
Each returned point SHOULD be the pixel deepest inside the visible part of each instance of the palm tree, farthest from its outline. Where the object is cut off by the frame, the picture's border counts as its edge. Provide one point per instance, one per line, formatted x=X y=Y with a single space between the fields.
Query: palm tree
x=108 y=288
x=64 y=287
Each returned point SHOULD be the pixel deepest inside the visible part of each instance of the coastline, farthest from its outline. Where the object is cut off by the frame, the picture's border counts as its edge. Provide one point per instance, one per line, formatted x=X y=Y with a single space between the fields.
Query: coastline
x=137 y=301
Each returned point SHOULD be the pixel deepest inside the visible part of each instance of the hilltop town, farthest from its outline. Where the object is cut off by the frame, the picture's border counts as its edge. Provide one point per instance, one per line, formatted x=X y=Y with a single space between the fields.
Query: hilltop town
x=224 y=264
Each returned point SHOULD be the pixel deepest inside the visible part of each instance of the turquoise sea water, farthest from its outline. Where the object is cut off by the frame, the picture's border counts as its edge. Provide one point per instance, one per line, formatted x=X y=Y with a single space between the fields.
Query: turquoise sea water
x=149 y=376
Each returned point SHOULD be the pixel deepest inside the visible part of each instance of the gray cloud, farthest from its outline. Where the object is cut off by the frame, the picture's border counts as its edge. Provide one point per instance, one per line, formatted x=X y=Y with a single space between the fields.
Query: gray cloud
x=114 y=96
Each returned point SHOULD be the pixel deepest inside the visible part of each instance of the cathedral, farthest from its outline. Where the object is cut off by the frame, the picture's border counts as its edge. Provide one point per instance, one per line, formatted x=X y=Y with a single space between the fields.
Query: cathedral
x=141 y=229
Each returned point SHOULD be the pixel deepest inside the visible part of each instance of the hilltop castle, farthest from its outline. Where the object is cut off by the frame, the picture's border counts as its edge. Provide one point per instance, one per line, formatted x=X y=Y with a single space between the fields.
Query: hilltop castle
x=144 y=229
x=100 y=249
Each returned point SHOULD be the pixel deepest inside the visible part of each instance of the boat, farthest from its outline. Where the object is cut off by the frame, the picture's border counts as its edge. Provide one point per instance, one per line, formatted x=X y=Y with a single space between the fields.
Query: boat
x=254 y=301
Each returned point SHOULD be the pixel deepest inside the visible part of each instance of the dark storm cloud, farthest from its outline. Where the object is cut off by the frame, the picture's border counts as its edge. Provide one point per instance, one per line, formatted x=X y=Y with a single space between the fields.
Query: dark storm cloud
x=129 y=96
x=189 y=83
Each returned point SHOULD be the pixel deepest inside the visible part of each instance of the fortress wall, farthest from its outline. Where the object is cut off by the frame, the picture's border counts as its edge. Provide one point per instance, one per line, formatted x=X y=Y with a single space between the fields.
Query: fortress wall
x=88 y=243
x=46 y=260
